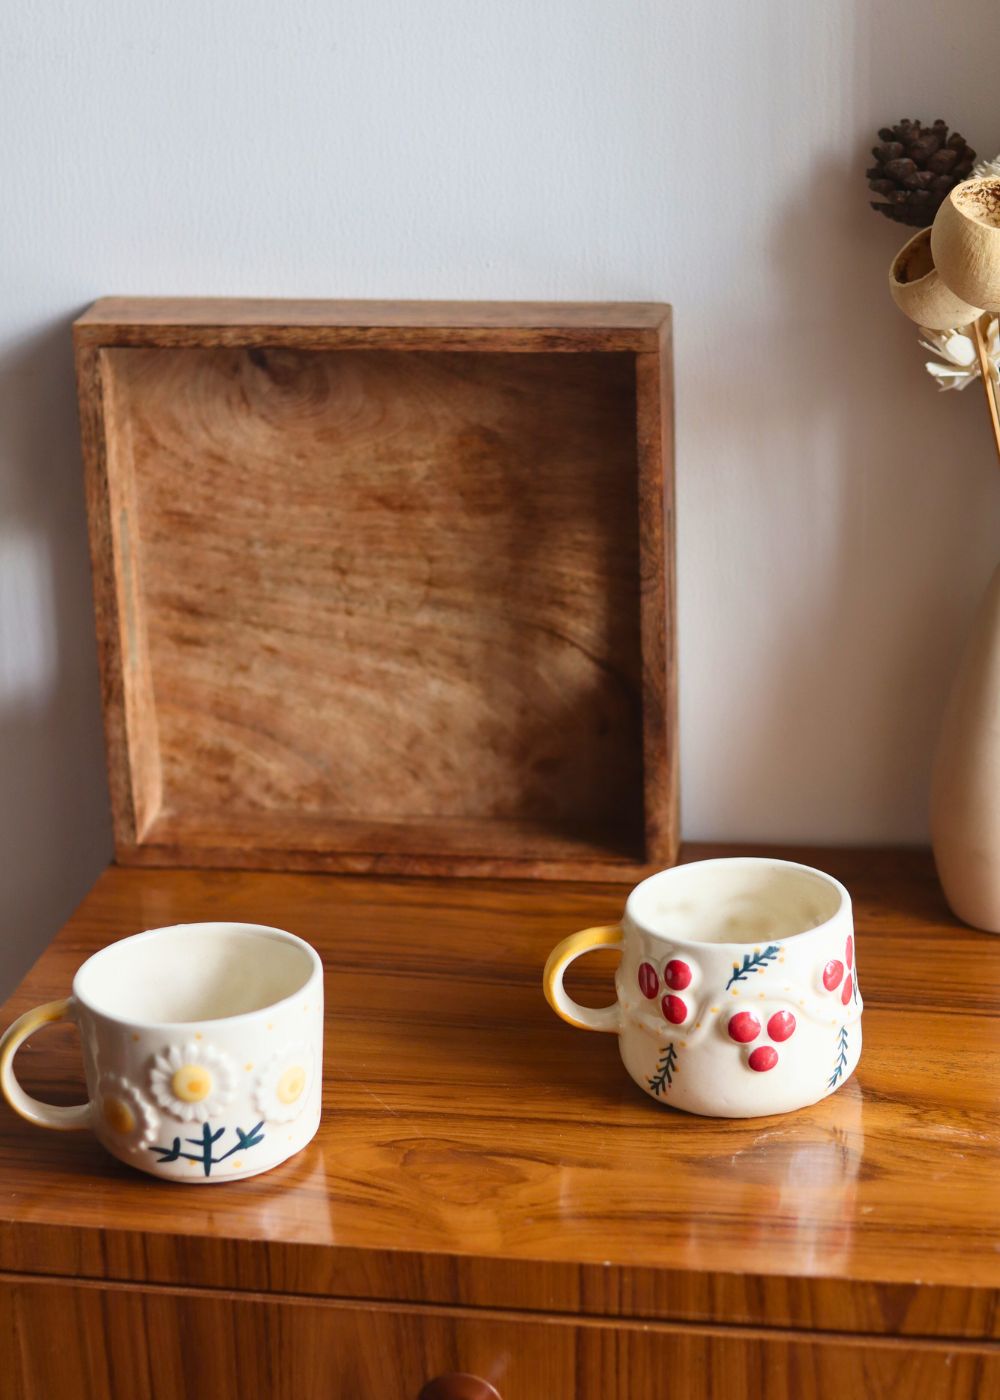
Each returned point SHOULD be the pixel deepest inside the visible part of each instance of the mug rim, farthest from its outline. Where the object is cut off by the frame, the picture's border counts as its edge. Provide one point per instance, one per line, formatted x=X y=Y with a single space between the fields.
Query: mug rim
x=679 y=940
x=214 y=928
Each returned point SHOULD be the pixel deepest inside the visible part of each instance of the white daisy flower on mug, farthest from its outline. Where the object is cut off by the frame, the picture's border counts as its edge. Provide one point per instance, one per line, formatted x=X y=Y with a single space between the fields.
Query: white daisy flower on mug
x=192 y=1082
x=125 y=1112
x=283 y=1084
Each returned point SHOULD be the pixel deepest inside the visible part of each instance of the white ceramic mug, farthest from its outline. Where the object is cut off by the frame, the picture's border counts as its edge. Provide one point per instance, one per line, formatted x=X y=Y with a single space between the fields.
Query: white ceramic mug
x=202 y=1047
x=737 y=986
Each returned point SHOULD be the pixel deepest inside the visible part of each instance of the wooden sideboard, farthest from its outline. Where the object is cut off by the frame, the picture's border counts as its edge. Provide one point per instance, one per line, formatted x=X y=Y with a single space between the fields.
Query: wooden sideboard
x=490 y=1194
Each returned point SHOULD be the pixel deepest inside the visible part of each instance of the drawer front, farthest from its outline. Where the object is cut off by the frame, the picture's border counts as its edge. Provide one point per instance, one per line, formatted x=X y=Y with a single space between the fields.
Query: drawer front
x=108 y=1342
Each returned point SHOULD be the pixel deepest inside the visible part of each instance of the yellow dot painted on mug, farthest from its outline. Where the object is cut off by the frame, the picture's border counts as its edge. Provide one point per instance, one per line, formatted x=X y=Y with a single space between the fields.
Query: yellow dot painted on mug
x=192 y=1083
x=248 y=1065
x=756 y=950
x=736 y=967
x=713 y=1009
x=735 y=992
x=291 y=1084
x=237 y=1164
x=198 y=1035
x=761 y=995
x=697 y=1025
x=117 y=1115
x=270 y=1025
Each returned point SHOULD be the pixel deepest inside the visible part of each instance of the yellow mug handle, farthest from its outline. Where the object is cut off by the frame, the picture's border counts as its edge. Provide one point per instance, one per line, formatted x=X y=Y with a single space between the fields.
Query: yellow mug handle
x=45 y=1115
x=588 y=1018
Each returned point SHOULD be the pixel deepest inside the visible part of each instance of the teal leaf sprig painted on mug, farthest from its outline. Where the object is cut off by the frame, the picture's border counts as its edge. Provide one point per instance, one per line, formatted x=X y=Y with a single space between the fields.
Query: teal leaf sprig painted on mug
x=841 y=1064
x=665 y=1070
x=753 y=962
x=206 y=1142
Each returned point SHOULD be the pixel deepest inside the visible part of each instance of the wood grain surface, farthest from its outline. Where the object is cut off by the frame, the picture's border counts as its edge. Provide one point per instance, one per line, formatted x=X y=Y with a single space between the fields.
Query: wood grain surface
x=376 y=610
x=96 y=1342
x=510 y=326
x=476 y=1151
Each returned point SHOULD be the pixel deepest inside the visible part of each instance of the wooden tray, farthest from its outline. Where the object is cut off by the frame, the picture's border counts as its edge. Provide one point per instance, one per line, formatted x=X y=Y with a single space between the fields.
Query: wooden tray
x=384 y=585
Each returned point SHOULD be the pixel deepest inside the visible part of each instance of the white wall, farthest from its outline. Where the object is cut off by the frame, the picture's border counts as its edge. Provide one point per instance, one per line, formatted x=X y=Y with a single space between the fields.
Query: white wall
x=837 y=519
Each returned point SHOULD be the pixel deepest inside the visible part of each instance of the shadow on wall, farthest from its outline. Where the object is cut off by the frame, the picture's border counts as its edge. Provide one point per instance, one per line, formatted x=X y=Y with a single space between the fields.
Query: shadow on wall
x=844 y=510
x=883 y=643
x=833 y=710
x=55 y=831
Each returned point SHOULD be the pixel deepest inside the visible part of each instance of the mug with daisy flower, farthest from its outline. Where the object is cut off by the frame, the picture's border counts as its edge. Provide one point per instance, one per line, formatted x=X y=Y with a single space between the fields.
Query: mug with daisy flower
x=202 y=1047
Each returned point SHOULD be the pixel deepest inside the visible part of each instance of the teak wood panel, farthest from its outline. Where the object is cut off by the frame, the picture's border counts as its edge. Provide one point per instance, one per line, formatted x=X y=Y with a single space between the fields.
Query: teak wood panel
x=383 y=610
x=474 y=1150
x=94 y=1342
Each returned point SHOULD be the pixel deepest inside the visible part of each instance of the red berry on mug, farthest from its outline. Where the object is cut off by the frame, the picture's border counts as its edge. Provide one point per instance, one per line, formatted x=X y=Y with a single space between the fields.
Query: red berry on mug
x=781 y=1025
x=845 y=995
x=832 y=974
x=850 y=951
x=764 y=1057
x=675 y=1010
x=649 y=983
x=677 y=975
x=744 y=1027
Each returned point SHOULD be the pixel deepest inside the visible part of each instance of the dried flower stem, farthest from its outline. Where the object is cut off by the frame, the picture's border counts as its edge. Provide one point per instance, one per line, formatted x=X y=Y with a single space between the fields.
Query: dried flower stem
x=986 y=372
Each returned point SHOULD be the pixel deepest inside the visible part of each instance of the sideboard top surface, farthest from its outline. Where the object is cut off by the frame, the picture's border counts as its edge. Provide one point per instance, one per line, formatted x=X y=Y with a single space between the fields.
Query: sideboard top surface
x=474 y=1149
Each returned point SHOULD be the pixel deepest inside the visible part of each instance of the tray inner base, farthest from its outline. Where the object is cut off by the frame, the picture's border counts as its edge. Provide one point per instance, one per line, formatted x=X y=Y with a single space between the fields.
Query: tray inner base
x=379 y=599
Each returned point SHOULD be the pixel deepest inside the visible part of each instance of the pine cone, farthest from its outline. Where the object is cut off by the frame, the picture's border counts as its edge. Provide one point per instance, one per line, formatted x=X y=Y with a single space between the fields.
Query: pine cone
x=915 y=167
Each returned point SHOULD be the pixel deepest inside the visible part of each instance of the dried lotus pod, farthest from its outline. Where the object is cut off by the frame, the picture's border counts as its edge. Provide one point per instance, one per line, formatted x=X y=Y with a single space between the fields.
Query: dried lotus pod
x=965 y=242
x=919 y=291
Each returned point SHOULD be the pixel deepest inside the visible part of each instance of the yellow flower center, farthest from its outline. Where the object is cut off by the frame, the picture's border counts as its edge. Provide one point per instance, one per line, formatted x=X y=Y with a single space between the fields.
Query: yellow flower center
x=291 y=1084
x=117 y=1115
x=192 y=1083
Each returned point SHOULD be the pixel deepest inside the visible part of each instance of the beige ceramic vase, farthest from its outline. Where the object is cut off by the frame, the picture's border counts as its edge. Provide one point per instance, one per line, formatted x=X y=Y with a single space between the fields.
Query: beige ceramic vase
x=965 y=789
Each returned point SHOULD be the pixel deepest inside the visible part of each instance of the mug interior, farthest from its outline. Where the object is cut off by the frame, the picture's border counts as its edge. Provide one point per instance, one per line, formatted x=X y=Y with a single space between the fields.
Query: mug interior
x=738 y=900
x=194 y=972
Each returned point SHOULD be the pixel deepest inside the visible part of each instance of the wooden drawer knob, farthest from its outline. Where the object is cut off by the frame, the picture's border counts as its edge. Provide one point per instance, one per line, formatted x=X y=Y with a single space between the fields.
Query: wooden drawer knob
x=457 y=1385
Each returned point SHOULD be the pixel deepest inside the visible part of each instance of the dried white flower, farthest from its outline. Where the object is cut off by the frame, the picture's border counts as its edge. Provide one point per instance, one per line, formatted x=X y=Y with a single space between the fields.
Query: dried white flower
x=958 y=366
x=986 y=169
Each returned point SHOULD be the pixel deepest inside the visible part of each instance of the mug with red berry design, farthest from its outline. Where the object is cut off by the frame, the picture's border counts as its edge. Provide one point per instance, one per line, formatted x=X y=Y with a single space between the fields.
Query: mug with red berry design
x=737 y=986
